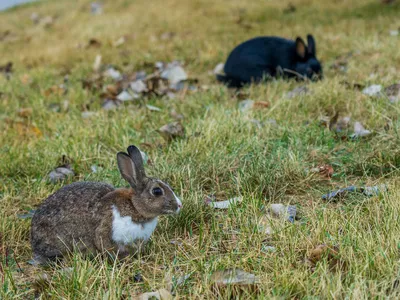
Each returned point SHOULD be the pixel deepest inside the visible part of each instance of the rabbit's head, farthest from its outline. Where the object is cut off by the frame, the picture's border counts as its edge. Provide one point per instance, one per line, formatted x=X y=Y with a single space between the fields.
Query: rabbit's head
x=307 y=64
x=152 y=197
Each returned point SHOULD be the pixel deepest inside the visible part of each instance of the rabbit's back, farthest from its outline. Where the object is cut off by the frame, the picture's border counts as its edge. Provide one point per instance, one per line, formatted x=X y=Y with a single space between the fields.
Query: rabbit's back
x=67 y=215
x=258 y=57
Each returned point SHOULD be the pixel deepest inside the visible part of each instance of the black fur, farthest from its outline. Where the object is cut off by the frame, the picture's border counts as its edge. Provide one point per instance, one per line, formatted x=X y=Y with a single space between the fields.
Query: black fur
x=264 y=57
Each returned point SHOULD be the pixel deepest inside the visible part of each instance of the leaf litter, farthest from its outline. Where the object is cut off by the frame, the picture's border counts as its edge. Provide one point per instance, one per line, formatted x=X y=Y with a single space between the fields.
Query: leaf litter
x=366 y=190
x=62 y=172
x=172 y=131
x=234 y=277
x=211 y=201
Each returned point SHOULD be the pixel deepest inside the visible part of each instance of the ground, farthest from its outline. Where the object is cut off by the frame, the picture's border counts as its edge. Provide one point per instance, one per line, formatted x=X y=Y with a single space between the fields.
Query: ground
x=224 y=151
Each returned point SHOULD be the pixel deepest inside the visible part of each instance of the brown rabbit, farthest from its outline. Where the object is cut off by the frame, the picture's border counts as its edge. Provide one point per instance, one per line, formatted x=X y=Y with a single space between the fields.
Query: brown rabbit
x=94 y=216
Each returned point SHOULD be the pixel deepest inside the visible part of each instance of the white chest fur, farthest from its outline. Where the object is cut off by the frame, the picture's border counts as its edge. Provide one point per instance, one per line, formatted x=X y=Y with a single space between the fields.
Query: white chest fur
x=124 y=231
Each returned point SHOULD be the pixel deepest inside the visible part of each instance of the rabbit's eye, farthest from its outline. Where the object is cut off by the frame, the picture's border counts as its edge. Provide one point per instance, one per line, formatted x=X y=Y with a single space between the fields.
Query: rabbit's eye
x=157 y=192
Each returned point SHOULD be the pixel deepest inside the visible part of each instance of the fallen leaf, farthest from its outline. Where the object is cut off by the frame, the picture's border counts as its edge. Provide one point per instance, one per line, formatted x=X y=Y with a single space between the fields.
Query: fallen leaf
x=373 y=90
x=161 y=294
x=359 y=131
x=222 y=204
x=325 y=171
x=374 y=190
x=261 y=104
x=25 y=112
x=234 y=277
x=125 y=96
x=323 y=251
x=119 y=42
x=184 y=85
x=138 y=86
x=219 y=69
x=110 y=104
x=113 y=73
x=152 y=108
x=280 y=210
x=26 y=79
x=172 y=131
x=93 y=43
x=157 y=85
x=268 y=249
x=366 y=190
x=246 y=105
x=87 y=114
x=264 y=225
x=56 y=90
x=25 y=128
x=60 y=173
x=97 y=63
x=393 y=92
x=174 y=73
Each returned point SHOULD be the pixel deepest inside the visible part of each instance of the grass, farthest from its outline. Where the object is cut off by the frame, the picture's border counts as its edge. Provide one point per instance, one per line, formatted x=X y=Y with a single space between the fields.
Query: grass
x=223 y=152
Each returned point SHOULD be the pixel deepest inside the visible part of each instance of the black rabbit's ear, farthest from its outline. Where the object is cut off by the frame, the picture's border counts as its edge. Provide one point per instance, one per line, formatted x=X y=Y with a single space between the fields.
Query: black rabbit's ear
x=301 y=47
x=311 y=45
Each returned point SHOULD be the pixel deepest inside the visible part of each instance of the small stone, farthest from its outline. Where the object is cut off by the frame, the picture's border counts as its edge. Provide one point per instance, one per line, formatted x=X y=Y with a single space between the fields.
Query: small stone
x=219 y=69
x=138 y=86
x=109 y=105
x=174 y=74
x=113 y=73
x=246 y=105
x=87 y=114
x=60 y=174
x=373 y=90
x=124 y=96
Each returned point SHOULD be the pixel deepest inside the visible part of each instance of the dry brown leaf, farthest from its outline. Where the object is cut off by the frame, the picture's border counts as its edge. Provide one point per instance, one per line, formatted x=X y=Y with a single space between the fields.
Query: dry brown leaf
x=323 y=251
x=172 y=131
x=57 y=90
x=161 y=294
x=93 y=43
x=26 y=79
x=393 y=92
x=261 y=104
x=325 y=171
x=25 y=112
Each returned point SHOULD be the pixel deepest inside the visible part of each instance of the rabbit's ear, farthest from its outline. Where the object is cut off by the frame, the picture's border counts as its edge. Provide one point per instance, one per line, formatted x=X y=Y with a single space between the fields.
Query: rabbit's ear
x=127 y=169
x=301 y=47
x=311 y=45
x=137 y=159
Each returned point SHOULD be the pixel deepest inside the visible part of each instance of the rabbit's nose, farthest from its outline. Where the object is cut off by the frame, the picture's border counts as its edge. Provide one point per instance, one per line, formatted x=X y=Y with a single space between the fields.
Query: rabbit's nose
x=180 y=205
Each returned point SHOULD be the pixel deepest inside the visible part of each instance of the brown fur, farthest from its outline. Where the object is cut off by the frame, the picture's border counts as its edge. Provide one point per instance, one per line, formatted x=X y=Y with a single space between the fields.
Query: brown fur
x=79 y=215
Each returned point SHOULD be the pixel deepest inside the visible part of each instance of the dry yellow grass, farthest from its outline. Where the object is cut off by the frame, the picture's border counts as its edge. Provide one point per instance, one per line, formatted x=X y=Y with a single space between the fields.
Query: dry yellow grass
x=223 y=153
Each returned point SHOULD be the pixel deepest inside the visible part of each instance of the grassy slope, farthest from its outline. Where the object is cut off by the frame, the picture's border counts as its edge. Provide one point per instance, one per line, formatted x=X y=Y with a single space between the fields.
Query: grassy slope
x=229 y=156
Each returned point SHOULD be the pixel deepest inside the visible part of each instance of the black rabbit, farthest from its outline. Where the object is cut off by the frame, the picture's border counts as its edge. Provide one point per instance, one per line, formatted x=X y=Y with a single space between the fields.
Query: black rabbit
x=263 y=57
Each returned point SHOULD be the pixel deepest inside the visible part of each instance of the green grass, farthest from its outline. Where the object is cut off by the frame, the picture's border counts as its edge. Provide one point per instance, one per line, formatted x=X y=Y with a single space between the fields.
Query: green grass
x=223 y=152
